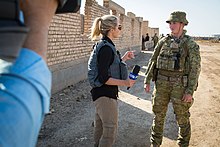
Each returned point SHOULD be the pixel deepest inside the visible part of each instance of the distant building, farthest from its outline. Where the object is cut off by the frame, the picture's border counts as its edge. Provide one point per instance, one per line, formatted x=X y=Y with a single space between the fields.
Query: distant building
x=216 y=35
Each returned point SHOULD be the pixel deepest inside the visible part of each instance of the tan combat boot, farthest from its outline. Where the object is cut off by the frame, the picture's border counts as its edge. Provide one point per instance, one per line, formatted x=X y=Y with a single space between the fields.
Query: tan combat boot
x=154 y=145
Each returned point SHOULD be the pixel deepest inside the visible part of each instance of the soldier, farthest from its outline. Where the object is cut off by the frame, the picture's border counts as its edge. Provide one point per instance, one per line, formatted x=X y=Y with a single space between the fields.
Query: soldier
x=155 y=39
x=175 y=68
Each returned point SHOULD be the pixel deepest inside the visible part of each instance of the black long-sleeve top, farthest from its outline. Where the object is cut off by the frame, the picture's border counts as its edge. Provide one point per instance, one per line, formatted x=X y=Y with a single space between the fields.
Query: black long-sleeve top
x=105 y=59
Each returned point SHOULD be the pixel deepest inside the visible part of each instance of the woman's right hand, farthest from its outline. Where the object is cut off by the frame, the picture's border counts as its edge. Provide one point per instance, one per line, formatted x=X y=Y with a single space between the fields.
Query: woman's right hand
x=129 y=82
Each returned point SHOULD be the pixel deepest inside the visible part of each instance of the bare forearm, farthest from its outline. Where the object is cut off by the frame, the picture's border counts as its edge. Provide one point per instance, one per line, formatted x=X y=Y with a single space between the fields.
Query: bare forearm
x=37 y=41
x=38 y=16
x=112 y=81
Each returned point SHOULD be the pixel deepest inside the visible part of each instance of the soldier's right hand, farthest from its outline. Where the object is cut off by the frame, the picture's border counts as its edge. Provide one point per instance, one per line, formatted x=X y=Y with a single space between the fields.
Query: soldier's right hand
x=147 y=87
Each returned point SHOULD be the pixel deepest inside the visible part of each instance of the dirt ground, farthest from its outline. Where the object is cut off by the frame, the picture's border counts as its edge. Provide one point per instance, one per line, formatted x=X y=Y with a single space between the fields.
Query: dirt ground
x=72 y=112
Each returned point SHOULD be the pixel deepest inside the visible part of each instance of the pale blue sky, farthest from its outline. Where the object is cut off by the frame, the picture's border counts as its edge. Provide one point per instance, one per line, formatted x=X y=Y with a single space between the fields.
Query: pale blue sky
x=203 y=15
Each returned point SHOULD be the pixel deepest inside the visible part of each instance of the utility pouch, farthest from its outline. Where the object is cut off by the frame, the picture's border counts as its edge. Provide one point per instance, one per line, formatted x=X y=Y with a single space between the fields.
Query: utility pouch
x=174 y=45
x=185 y=80
x=177 y=61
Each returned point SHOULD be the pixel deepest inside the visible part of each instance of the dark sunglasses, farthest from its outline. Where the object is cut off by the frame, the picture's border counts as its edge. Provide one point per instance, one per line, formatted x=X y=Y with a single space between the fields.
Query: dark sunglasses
x=119 y=27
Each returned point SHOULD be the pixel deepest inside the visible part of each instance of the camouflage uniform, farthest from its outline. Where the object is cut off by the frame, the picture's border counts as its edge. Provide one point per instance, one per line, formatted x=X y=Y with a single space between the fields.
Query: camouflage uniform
x=177 y=66
x=155 y=39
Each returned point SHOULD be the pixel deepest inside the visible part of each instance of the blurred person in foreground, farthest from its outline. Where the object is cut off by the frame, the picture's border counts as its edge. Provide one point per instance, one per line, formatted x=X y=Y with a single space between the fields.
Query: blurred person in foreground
x=106 y=71
x=25 y=84
x=175 y=68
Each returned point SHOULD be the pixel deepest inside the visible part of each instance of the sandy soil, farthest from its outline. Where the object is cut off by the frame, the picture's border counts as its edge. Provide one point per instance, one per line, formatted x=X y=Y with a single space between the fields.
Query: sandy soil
x=72 y=112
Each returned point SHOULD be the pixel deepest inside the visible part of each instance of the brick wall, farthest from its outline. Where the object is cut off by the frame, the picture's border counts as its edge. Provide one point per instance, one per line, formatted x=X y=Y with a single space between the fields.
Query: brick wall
x=69 y=45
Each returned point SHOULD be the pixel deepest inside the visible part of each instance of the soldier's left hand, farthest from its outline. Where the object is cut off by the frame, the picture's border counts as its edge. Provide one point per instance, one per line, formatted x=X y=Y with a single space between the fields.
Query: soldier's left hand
x=187 y=98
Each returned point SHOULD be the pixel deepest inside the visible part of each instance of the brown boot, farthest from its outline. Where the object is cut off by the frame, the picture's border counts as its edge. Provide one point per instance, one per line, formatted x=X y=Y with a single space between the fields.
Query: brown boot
x=154 y=145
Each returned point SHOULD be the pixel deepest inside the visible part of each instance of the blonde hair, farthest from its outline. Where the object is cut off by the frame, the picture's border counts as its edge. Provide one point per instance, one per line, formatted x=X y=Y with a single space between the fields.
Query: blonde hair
x=102 y=25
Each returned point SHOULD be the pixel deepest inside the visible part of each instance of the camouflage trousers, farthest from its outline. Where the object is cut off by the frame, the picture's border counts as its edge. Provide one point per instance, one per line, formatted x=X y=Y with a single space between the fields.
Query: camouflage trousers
x=170 y=91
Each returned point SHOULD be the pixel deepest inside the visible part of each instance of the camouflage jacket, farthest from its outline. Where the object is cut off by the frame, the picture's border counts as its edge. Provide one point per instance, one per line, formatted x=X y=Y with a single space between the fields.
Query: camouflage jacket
x=193 y=59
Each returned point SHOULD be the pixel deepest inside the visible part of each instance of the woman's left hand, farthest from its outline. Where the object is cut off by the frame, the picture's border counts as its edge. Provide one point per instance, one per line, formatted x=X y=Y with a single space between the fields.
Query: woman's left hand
x=128 y=55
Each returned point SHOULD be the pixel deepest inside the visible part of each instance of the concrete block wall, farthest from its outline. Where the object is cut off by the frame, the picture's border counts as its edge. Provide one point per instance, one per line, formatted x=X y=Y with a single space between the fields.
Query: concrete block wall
x=69 y=45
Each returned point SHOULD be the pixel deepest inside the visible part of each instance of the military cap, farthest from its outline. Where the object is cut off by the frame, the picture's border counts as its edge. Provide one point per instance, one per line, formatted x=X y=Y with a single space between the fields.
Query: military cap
x=178 y=16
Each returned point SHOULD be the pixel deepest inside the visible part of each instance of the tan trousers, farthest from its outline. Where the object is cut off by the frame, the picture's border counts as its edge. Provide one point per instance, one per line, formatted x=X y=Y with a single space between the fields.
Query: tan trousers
x=106 y=121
